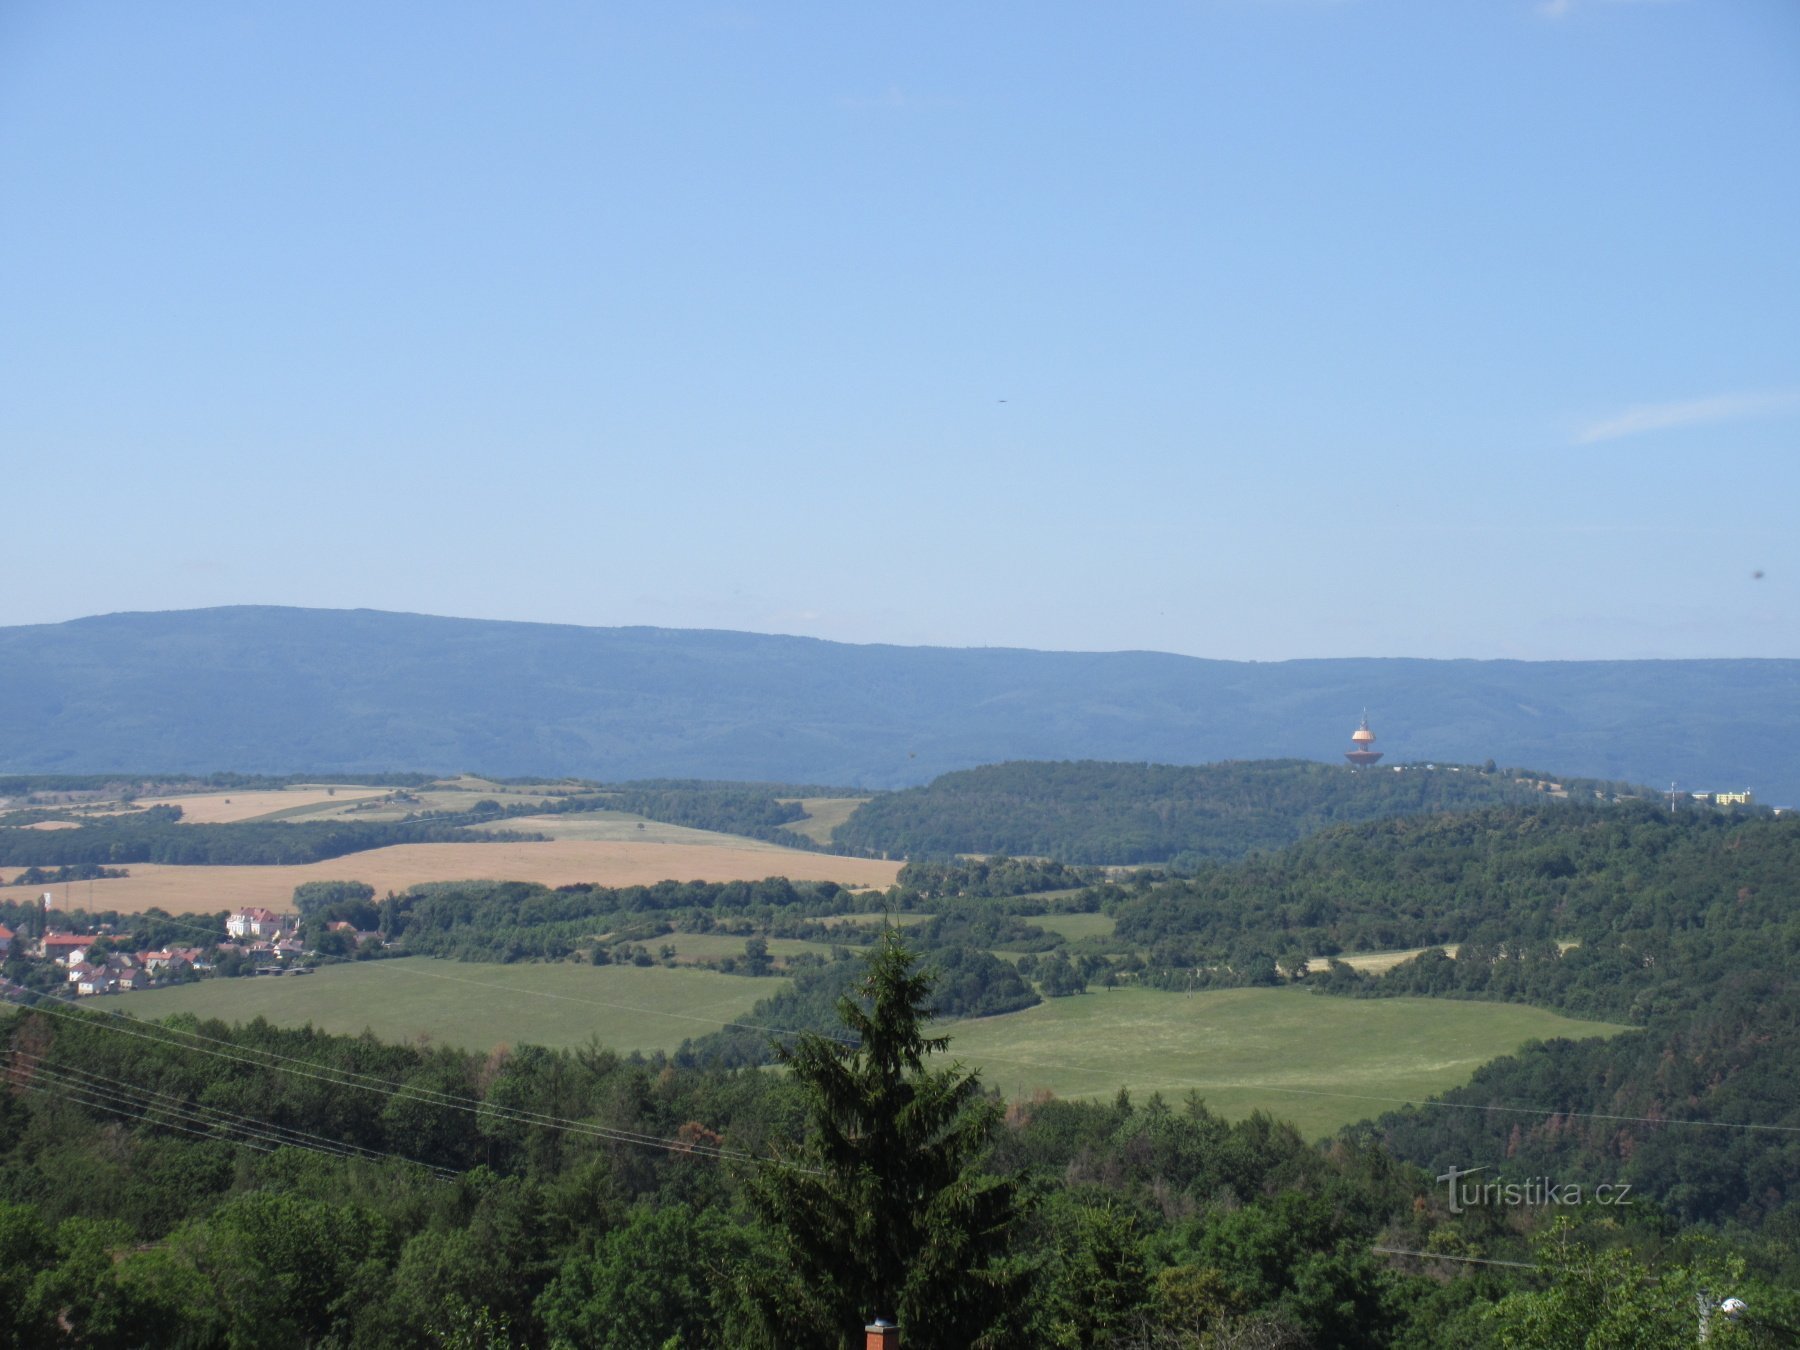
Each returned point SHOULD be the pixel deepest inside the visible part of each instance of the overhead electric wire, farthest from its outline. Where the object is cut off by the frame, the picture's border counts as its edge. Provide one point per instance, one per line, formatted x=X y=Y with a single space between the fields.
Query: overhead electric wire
x=139 y=1110
x=49 y=1091
x=153 y=1099
x=1194 y=1084
x=347 y=1078
x=1197 y=1084
x=1445 y=1256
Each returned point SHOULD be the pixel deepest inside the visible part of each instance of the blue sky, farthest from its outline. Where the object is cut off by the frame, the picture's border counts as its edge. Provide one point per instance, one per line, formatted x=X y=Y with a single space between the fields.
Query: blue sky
x=1240 y=328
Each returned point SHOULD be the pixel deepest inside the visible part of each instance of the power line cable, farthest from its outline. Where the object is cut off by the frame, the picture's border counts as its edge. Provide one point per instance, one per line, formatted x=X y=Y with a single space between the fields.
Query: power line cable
x=337 y=1077
x=1196 y=1084
x=154 y=1099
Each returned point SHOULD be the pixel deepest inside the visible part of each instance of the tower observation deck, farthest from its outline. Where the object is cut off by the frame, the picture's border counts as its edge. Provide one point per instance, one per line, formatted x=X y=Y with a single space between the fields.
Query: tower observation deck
x=1362 y=751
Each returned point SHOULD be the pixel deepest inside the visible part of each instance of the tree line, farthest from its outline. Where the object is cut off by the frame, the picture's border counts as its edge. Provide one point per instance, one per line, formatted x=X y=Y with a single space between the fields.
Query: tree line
x=1123 y=813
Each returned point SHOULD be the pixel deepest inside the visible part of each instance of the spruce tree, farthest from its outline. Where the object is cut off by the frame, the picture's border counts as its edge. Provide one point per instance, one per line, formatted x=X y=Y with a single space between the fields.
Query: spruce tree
x=883 y=1211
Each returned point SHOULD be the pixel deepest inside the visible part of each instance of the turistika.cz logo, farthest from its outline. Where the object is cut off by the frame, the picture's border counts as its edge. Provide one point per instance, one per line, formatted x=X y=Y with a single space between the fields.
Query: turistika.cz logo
x=1534 y=1191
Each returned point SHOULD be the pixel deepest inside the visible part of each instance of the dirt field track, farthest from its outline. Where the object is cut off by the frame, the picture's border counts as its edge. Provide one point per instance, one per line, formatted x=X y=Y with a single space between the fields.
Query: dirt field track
x=556 y=862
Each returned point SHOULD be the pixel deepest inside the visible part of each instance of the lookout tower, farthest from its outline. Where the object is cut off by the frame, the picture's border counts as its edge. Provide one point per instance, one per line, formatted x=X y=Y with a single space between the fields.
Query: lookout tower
x=1362 y=751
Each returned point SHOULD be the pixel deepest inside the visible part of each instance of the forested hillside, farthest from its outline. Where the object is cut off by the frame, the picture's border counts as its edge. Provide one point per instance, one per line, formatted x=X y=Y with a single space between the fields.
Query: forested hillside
x=1096 y=812
x=285 y=690
x=203 y=1185
x=157 y=835
x=1686 y=923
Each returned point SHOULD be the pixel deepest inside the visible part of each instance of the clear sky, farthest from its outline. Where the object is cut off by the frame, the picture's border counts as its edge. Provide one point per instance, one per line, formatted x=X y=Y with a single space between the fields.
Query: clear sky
x=1239 y=328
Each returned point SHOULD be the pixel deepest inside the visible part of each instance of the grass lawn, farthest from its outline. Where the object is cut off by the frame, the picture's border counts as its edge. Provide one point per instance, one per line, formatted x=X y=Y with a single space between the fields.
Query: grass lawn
x=476 y=1006
x=711 y=946
x=1074 y=926
x=823 y=815
x=1320 y=1062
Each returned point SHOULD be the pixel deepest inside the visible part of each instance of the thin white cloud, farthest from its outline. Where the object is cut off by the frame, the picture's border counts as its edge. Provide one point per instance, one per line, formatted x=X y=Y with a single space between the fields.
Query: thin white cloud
x=1647 y=417
x=1559 y=9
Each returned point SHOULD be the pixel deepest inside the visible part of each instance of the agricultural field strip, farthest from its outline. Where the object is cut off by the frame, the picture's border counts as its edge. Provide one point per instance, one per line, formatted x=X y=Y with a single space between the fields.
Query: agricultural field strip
x=213 y=808
x=1110 y=1074
x=553 y=863
x=823 y=815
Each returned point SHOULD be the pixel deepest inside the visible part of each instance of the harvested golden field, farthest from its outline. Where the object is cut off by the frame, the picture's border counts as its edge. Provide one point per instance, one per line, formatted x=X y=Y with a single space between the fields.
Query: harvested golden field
x=556 y=862
x=54 y=825
x=222 y=808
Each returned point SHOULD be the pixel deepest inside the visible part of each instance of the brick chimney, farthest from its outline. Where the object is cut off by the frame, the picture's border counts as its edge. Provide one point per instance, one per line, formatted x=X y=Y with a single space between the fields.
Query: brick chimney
x=881 y=1335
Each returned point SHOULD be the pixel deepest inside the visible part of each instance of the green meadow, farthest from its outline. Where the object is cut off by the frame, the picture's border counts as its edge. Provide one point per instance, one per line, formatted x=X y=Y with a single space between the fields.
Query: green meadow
x=477 y=1006
x=1320 y=1062
x=1074 y=927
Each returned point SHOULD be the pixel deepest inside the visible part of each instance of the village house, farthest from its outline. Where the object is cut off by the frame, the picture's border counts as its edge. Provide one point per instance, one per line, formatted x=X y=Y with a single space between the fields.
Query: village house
x=255 y=922
x=6 y=937
x=66 y=949
x=171 y=960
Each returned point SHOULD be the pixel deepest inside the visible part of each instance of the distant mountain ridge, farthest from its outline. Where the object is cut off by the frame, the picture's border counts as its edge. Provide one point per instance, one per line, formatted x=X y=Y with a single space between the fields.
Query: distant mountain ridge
x=270 y=689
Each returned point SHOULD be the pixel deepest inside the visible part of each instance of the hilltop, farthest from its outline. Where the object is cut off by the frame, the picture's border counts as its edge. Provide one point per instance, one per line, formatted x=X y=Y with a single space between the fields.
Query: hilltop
x=1111 y=813
x=281 y=690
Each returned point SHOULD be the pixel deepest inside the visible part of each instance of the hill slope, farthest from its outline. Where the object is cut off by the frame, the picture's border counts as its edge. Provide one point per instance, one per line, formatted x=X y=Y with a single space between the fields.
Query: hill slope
x=1095 y=812
x=262 y=688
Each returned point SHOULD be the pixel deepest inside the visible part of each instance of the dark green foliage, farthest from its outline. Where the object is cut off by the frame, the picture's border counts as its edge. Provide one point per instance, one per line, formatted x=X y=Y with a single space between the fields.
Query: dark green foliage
x=310 y=897
x=521 y=920
x=664 y=1277
x=155 y=836
x=882 y=1210
x=57 y=876
x=730 y=809
x=1095 y=812
x=993 y=877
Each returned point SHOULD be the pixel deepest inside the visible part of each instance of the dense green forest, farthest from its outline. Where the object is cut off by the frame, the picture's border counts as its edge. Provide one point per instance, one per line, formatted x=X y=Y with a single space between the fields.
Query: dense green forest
x=199 y=1185
x=133 y=785
x=1686 y=923
x=1094 y=812
x=157 y=835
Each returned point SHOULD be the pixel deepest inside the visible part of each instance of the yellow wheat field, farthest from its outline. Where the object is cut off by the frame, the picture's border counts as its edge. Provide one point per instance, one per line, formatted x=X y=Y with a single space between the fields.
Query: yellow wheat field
x=223 y=808
x=556 y=862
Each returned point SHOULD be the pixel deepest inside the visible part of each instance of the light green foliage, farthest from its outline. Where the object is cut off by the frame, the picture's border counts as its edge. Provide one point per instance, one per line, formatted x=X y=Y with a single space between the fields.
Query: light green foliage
x=1601 y=1299
x=661 y=1278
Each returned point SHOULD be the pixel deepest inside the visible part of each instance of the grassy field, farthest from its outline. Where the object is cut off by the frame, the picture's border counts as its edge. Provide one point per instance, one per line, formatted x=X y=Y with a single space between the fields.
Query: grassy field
x=476 y=1006
x=1317 y=1061
x=692 y=947
x=1074 y=926
x=630 y=862
x=1320 y=1062
x=1374 y=963
x=823 y=815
